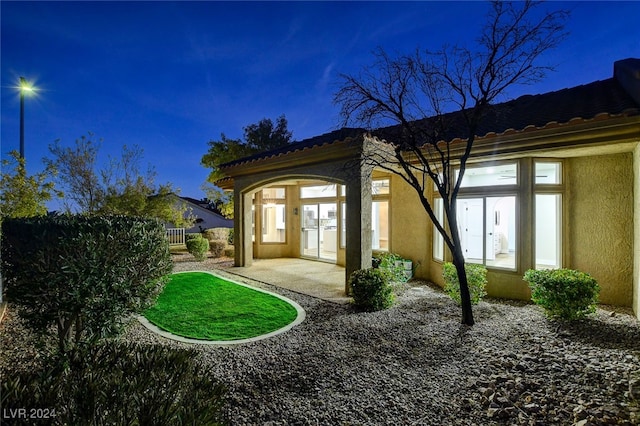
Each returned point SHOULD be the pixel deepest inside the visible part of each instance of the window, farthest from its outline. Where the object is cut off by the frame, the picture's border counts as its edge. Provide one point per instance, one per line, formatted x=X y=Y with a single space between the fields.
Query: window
x=503 y=174
x=438 y=241
x=548 y=231
x=380 y=225
x=548 y=173
x=487 y=227
x=343 y=225
x=380 y=187
x=273 y=215
x=318 y=191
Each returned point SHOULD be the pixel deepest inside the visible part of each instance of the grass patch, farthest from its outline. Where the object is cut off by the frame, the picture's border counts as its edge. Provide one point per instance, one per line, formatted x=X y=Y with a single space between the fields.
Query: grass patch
x=202 y=306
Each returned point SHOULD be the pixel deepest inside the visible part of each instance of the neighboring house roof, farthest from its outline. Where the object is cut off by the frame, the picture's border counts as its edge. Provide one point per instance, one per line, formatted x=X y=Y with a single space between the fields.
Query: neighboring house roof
x=201 y=203
x=201 y=210
x=614 y=96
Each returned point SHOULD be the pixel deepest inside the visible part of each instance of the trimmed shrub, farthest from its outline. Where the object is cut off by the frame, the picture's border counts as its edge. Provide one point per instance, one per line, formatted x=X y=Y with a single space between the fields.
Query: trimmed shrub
x=476 y=280
x=83 y=274
x=371 y=289
x=198 y=247
x=119 y=384
x=229 y=252
x=563 y=293
x=217 y=247
x=212 y=234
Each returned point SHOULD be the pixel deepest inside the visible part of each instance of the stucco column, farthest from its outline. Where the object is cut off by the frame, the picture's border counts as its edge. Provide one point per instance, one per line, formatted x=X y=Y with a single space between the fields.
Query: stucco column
x=243 y=255
x=358 y=250
x=636 y=231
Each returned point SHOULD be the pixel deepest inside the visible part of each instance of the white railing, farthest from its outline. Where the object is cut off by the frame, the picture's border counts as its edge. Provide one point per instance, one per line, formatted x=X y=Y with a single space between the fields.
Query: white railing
x=175 y=236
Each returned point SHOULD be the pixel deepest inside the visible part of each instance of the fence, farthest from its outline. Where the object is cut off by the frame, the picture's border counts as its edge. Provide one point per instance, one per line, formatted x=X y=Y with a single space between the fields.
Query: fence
x=175 y=236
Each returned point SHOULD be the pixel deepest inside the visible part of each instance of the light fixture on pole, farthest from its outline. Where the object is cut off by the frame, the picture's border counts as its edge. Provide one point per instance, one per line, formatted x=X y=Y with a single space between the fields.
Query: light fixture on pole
x=24 y=87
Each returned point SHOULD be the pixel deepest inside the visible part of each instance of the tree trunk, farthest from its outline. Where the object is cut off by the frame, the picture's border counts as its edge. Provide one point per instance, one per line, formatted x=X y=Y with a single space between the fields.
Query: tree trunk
x=465 y=296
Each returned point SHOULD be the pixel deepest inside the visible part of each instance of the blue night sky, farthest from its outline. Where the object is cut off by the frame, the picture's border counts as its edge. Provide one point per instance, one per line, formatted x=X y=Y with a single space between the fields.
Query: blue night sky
x=172 y=76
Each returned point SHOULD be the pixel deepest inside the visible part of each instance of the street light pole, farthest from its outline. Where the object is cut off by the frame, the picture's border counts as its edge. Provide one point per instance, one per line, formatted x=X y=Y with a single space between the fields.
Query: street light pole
x=22 y=84
x=24 y=87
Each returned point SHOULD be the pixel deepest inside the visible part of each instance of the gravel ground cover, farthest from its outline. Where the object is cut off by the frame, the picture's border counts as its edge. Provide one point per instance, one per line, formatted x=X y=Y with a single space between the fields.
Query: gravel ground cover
x=414 y=364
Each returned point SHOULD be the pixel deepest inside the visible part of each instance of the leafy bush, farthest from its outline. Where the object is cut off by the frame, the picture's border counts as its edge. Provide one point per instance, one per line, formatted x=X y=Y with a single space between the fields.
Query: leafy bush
x=217 y=247
x=563 y=293
x=84 y=274
x=476 y=281
x=371 y=289
x=389 y=263
x=121 y=384
x=198 y=247
x=216 y=234
x=230 y=237
x=189 y=237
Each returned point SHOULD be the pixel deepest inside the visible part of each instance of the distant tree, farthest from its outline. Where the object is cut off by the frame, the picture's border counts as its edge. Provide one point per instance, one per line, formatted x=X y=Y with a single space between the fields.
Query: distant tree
x=265 y=135
x=120 y=187
x=22 y=195
x=259 y=137
x=416 y=91
x=219 y=200
x=77 y=173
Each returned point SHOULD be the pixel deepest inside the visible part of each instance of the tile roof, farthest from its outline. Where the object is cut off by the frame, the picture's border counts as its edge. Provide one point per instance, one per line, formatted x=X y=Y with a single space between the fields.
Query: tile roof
x=581 y=102
x=324 y=139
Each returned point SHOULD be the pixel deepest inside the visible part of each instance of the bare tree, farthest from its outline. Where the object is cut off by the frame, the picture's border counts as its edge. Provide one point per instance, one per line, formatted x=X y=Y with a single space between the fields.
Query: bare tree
x=437 y=102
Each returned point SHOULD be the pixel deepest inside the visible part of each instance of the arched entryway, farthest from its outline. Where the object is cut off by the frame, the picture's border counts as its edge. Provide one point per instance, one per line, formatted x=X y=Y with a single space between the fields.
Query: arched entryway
x=310 y=215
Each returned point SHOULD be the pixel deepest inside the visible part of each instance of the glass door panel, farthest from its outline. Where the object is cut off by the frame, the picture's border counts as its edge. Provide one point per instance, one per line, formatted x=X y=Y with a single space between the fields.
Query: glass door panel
x=310 y=230
x=501 y=232
x=328 y=231
x=320 y=231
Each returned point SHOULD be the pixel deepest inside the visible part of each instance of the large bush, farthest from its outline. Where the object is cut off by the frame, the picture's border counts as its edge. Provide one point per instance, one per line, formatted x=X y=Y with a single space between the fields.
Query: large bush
x=217 y=247
x=371 y=289
x=83 y=274
x=563 y=293
x=476 y=281
x=117 y=384
x=197 y=246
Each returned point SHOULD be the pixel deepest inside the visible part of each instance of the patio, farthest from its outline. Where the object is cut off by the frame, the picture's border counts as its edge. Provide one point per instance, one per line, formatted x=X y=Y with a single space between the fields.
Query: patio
x=318 y=279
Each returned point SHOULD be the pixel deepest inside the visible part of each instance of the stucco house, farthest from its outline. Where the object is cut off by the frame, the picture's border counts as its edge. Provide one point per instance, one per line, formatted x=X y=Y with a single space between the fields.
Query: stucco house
x=553 y=181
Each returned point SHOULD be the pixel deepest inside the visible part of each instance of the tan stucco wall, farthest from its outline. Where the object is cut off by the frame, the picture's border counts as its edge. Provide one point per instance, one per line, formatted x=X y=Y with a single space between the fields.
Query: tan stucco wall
x=410 y=226
x=636 y=226
x=600 y=220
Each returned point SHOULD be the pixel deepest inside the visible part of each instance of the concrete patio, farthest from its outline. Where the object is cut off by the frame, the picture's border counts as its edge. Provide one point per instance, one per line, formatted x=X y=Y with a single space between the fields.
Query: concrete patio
x=318 y=279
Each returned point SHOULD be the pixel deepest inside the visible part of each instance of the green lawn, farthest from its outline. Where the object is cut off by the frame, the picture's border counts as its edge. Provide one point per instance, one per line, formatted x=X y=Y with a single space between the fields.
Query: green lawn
x=202 y=306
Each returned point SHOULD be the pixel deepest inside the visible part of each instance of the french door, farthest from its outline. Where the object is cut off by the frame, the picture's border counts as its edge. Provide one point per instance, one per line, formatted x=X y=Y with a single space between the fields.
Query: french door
x=319 y=237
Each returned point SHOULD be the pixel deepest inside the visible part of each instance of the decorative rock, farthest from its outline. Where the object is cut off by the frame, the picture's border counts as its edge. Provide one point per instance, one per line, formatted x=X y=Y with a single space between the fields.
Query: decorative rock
x=413 y=364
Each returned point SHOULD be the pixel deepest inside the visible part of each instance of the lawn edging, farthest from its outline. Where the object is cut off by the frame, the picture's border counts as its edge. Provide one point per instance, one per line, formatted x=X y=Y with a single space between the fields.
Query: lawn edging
x=301 y=315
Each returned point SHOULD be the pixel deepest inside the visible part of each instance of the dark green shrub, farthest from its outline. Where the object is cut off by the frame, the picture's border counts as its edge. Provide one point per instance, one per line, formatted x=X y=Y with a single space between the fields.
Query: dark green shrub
x=230 y=237
x=476 y=281
x=563 y=293
x=198 y=247
x=217 y=247
x=189 y=237
x=119 y=384
x=84 y=274
x=371 y=289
